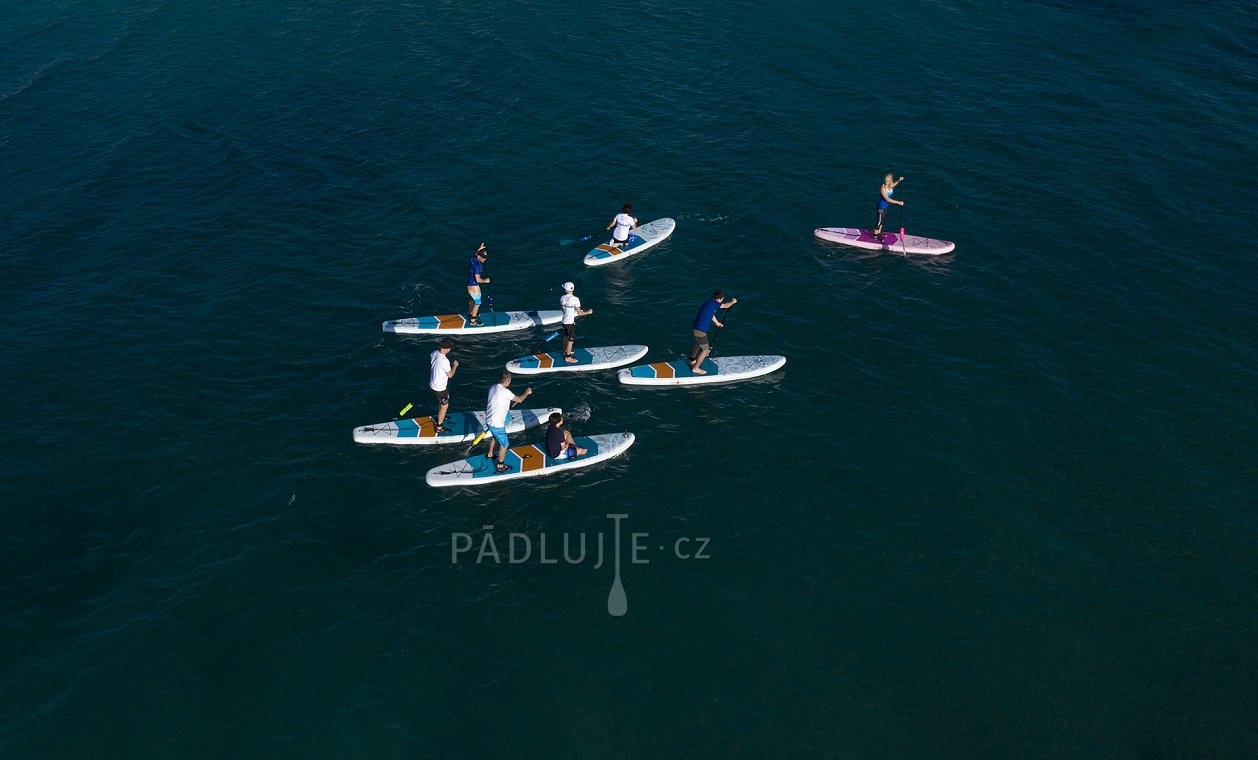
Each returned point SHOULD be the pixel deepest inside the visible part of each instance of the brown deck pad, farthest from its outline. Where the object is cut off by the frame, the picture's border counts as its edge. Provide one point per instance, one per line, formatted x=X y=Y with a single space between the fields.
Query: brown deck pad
x=531 y=457
x=664 y=370
x=450 y=321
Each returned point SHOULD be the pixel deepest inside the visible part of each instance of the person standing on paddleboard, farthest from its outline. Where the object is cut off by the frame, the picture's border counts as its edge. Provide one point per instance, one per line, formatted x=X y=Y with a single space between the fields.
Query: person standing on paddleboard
x=559 y=443
x=571 y=306
x=441 y=369
x=475 y=278
x=621 y=224
x=497 y=409
x=703 y=322
x=885 y=201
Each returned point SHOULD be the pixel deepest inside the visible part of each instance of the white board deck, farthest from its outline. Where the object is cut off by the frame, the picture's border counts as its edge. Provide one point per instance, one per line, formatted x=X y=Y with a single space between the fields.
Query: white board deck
x=457 y=324
x=464 y=427
x=720 y=369
x=588 y=360
x=641 y=238
x=890 y=241
x=527 y=461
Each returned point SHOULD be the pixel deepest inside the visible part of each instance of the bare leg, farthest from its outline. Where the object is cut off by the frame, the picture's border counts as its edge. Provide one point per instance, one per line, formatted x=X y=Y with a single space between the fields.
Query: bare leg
x=699 y=361
x=567 y=438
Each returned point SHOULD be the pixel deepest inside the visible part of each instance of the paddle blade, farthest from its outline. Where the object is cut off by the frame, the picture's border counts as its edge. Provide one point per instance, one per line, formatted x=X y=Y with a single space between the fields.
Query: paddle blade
x=478 y=438
x=552 y=336
x=405 y=409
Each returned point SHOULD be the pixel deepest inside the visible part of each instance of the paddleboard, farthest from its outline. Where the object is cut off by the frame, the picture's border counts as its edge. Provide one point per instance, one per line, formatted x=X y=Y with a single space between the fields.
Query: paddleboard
x=588 y=359
x=720 y=369
x=456 y=324
x=890 y=241
x=641 y=238
x=464 y=427
x=527 y=461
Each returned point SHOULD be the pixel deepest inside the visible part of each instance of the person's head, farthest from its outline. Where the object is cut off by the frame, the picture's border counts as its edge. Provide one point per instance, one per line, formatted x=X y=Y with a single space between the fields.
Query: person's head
x=719 y=296
x=556 y=419
x=625 y=209
x=887 y=179
x=568 y=287
x=504 y=379
x=446 y=344
x=482 y=253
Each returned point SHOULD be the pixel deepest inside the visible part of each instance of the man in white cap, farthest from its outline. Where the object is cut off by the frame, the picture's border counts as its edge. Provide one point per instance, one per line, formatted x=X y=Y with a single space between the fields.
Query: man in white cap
x=571 y=306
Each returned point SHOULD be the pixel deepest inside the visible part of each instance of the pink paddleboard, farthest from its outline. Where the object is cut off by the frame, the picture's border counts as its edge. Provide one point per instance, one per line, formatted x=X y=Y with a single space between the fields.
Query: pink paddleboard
x=890 y=241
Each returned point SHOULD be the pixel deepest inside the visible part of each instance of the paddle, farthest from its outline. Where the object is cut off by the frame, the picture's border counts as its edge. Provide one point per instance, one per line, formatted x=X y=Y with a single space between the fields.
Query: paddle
x=712 y=342
x=539 y=346
x=584 y=238
x=903 y=245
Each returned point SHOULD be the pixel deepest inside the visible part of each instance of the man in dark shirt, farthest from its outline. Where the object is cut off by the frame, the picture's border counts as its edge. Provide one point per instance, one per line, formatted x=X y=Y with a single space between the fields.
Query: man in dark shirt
x=703 y=322
x=559 y=443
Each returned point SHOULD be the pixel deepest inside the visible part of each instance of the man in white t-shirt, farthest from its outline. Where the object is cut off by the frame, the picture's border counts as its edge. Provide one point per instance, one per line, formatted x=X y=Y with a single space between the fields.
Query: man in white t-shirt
x=496 y=410
x=571 y=307
x=441 y=369
x=621 y=224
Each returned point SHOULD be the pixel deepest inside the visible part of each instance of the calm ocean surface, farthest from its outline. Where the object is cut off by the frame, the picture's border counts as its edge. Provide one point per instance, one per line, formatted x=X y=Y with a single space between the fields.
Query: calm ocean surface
x=998 y=504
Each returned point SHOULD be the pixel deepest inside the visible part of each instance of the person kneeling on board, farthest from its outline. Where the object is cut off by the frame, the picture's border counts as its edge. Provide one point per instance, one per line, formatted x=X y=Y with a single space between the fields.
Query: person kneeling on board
x=571 y=306
x=559 y=443
x=703 y=322
x=496 y=413
x=622 y=223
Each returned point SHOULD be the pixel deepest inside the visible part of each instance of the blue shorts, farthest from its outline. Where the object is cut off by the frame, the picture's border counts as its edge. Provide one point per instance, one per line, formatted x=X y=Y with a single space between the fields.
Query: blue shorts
x=499 y=434
x=475 y=297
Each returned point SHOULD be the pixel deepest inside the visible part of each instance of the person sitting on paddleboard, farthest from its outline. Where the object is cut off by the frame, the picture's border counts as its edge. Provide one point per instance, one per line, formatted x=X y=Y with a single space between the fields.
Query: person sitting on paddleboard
x=440 y=372
x=571 y=306
x=475 y=278
x=559 y=443
x=497 y=410
x=703 y=322
x=622 y=223
x=885 y=200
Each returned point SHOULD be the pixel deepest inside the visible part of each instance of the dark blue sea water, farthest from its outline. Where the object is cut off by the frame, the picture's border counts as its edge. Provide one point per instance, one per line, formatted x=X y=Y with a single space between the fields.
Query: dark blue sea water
x=1000 y=504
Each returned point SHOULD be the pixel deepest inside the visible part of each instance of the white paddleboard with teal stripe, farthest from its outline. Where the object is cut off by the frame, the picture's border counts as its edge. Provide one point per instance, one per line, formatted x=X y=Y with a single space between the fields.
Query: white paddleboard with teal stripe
x=457 y=324
x=642 y=238
x=527 y=461
x=463 y=426
x=720 y=369
x=588 y=360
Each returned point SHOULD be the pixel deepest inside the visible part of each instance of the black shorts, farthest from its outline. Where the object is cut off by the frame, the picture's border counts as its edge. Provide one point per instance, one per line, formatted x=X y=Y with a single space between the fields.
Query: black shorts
x=443 y=397
x=701 y=344
x=570 y=332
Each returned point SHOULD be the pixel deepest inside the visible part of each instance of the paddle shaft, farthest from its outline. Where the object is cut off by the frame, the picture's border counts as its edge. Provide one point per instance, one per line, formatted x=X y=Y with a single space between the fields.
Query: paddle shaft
x=903 y=246
x=712 y=342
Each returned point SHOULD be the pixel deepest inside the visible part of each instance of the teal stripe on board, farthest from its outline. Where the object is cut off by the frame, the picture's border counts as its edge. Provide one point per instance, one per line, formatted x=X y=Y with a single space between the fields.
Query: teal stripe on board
x=1026 y=528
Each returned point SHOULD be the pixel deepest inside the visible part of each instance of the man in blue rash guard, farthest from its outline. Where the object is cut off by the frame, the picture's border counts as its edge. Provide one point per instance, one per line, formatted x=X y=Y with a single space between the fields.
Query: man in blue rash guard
x=703 y=322
x=475 y=278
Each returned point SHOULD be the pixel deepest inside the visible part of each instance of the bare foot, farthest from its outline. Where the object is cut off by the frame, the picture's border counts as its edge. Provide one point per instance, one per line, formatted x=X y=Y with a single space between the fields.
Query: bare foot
x=698 y=371
x=571 y=360
x=582 y=452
